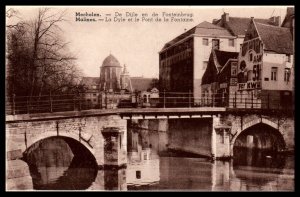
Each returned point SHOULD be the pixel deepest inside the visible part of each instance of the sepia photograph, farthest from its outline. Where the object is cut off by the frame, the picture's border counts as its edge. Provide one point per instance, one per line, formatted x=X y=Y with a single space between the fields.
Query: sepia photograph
x=150 y=98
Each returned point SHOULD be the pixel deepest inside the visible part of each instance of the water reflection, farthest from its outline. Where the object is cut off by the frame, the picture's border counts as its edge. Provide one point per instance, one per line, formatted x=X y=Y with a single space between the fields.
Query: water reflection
x=149 y=169
x=73 y=177
x=250 y=170
x=263 y=170
x=143 y=159
x=55 y=164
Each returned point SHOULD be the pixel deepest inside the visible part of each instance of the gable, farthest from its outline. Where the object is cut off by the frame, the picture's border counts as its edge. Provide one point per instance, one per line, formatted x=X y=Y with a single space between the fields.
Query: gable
x=210 y=74
x=251 y=32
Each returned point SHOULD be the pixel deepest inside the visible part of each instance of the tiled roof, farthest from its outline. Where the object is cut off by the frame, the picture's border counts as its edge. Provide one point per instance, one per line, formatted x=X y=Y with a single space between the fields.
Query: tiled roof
x=204 y=28
x=140 y=83
x=238 y=25
x=213 y=67
x=210 y=74
x=90 y=81
x=276 y=39
x=224 y=56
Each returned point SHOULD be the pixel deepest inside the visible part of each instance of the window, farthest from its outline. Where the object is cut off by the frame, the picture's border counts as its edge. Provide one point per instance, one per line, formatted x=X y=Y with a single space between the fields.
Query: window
x=215 y=44
x=204 y=65
x=288 y=58
x=250 y=57
x=287 y=74
x=274 y=73
x=94 y=94
x=138 y=174
x=231 y=42
x=205 y=41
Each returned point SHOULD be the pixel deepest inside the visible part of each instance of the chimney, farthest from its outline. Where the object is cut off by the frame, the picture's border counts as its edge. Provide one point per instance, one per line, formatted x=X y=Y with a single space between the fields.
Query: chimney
x=214 y=21
x=225 y=17
x=276 y=20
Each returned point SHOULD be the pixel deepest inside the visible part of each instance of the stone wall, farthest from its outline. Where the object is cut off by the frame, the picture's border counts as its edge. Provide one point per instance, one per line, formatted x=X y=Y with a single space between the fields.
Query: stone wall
x=282 y=123
x=21 y=135
x=191 y=135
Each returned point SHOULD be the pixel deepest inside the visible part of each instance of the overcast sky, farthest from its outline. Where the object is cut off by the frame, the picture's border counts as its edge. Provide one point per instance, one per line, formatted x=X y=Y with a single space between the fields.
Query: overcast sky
x=136 y=44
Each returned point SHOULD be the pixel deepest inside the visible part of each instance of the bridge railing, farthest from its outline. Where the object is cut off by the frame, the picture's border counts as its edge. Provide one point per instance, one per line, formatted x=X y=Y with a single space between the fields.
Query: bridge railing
x=94 y=100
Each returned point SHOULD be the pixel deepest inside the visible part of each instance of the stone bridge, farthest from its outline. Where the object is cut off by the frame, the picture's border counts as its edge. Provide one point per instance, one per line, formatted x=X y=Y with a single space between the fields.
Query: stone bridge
x=104 y=133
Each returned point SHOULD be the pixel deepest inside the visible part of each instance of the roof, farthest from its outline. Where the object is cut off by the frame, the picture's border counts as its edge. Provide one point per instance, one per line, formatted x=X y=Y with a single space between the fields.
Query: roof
x=224 y=56
x=204 y=28
x=141 y=83
x=111 y=61
x=238 y=25
x=90 y=81
x=217 y=61
x=138 y=83
x=290 y=12
x=276 y=39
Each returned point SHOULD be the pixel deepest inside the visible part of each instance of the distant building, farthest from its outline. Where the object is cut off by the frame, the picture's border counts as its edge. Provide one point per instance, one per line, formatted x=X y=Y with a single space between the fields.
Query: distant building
x=114 y=87
x=91 y=95
x=126 y=85
x=141 y=83
x=150 y=98
x=112 y=79
x=183 y=60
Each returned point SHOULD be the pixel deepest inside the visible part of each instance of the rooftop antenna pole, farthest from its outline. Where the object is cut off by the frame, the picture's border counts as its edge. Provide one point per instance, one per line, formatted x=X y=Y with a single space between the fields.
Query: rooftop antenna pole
x=272 y=13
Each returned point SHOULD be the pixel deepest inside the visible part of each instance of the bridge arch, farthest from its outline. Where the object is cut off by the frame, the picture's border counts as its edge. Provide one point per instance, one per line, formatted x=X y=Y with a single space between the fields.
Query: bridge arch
x=255 y=123
x=60 y=162
x=32 y=139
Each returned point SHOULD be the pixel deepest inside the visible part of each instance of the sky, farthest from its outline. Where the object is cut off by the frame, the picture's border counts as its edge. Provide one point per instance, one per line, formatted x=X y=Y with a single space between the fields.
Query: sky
x=135 y=43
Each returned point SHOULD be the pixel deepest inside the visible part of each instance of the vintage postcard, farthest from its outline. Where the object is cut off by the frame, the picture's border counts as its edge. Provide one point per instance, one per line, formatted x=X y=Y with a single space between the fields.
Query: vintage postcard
x=150 y=98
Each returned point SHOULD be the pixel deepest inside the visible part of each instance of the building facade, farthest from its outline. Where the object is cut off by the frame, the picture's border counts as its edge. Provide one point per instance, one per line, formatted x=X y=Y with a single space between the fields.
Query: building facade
x=262 y=74
x=219 y=78
x=114 y=88
x=183 y=60
x=265 y=66
x=112 y=78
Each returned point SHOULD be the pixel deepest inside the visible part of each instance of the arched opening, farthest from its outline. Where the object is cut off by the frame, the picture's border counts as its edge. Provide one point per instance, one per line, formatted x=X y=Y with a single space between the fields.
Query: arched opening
x=256 y=155
x=60 y=163
x=260 y=136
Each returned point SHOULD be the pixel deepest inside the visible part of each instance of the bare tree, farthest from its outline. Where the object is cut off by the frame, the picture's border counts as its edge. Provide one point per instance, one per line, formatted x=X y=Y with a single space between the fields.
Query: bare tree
x=39 y=61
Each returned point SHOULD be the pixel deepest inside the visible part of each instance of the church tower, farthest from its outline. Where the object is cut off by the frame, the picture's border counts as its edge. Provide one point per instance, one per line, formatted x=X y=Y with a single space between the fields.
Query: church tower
x=110 y=72
x=125 y=80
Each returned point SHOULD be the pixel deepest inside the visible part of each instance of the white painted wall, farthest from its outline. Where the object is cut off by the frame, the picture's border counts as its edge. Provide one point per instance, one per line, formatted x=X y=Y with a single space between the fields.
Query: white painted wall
x=202 y=53
x=276 y=60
